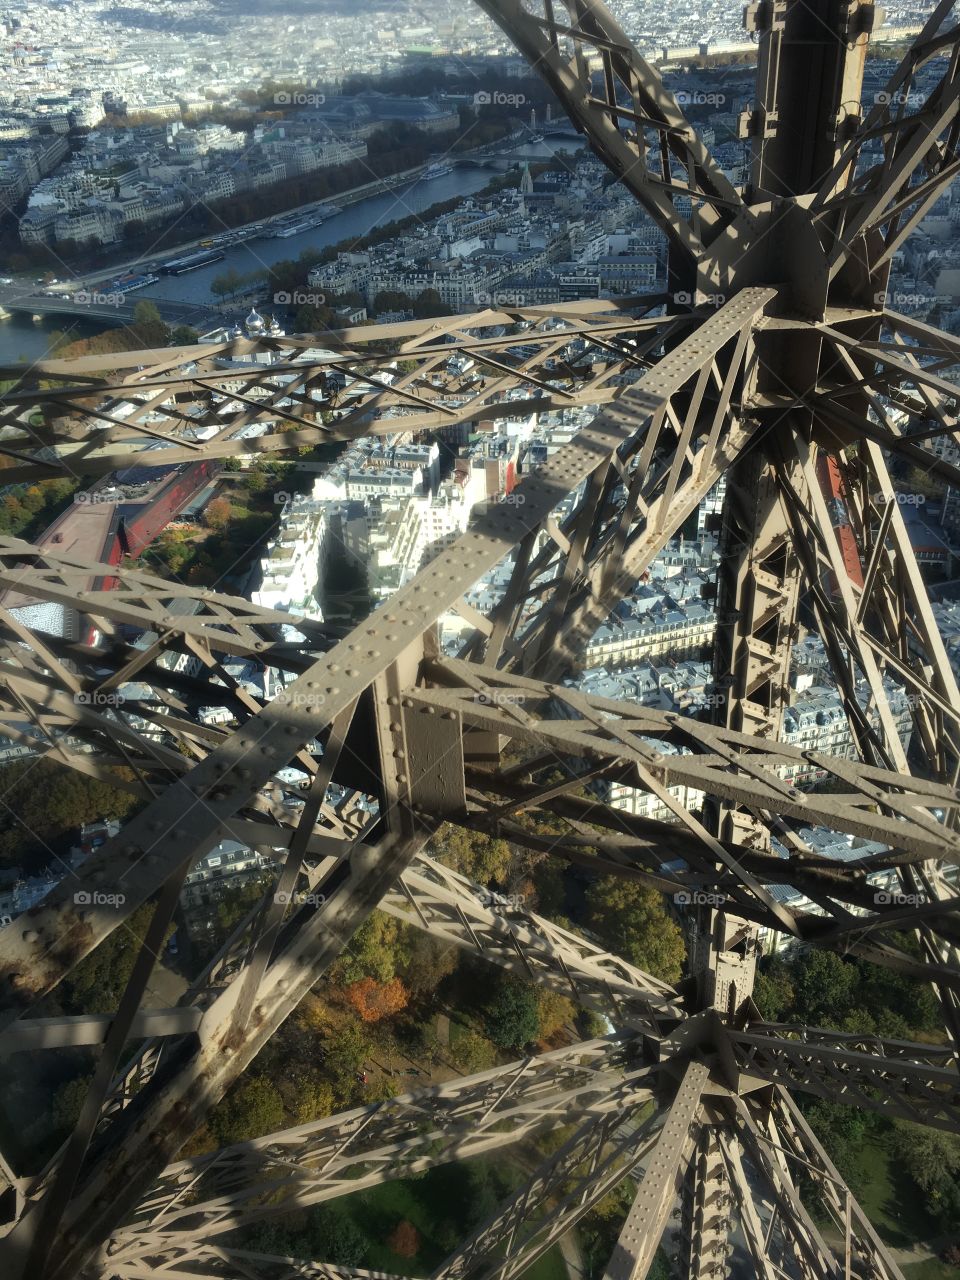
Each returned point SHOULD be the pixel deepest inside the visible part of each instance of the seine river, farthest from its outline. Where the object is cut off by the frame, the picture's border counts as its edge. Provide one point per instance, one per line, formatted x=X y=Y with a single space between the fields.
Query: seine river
x=22 y=339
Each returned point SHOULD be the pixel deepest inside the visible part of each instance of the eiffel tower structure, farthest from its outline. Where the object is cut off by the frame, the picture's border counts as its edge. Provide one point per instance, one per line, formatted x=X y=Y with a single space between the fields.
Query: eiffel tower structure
x=774 y=364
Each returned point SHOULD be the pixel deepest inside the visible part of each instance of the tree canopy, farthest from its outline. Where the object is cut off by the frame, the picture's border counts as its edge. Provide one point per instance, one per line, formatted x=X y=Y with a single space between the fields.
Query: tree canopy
x=633 y=921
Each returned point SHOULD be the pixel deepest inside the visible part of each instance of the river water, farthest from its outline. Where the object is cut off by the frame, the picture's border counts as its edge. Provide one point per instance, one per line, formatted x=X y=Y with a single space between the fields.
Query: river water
x=22 y=339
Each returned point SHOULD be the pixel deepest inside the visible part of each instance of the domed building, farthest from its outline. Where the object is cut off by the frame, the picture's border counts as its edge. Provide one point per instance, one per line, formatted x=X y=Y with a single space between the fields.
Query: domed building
x=254 y=324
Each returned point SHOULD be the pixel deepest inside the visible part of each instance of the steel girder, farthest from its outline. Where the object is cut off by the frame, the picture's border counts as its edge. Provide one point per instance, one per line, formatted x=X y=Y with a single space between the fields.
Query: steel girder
x=632 y=122
x=223 y=400
x=801 y=360
x=203 y=1199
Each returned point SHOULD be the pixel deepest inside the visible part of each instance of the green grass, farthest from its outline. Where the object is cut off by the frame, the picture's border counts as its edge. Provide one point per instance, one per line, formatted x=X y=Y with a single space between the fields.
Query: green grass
x=551 y=1267
x=888 y=1197
x=930 y=1270
x=378 y=1211
x=435 y=1205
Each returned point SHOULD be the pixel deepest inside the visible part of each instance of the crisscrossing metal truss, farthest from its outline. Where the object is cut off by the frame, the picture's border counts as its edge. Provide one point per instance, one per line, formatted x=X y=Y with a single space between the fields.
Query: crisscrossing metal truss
x=782 y=362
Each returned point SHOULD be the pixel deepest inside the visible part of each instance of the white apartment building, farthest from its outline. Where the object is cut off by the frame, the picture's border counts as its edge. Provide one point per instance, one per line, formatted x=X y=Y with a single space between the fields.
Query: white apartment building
x=290 y=569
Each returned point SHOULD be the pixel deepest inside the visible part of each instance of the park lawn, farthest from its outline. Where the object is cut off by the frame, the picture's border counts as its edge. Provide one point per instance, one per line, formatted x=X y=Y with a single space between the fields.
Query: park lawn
x=889 y=1198
x=932 y=1269
x=551 y=1267
x=378 y=1211
x=421 y=1201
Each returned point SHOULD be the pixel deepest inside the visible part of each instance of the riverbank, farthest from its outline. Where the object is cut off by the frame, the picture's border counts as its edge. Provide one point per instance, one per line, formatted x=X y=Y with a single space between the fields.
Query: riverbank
x=418 y=198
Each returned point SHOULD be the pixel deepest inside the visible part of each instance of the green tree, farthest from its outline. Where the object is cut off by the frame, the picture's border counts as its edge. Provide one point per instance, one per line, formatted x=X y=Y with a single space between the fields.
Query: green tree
x=149 y=325
x=330 y=1234
x=391 y=300
x=429 y=303
x=67 y=1102
x=250 y=1109
x=347 y=1053
x=932 y=1159
x=512 y=1016
x=376 y=950
x=843 y=1131
x=426 y=962
x=471 y=1051
x=473 y=854
x=312 y=319
x=632 y=920
x=825 y=987
x=773 y=991
x=553 y=1011
x=96 y=984
x=44 y=806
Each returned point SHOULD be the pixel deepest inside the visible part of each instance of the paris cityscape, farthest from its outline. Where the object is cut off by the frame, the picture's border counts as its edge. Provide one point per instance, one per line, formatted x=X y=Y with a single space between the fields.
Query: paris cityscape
x=480 y=608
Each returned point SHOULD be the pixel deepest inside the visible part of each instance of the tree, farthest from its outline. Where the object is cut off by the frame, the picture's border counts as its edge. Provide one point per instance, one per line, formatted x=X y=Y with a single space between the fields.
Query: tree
x=471 y=1051
x=224 y=283
x=311 y=318
x=427 y=962
x=377 y=950
x=218 y=513
x=377 y=1000
x=932 y=1159
x=404 y=1239
x=473 y=854
x=632 y=920
x=329 y=1234
x=45 y=804
x=512 y=1017
x=313 y=1099
x=149 y=325
x=843 y=1131
x=347 y=1052
x=250 y=1109
x=824 y=988
x=553 y=1011
x=773 y=991
x=429 y=303
x=67 y=1103
x=391 y=300
x=183 y=335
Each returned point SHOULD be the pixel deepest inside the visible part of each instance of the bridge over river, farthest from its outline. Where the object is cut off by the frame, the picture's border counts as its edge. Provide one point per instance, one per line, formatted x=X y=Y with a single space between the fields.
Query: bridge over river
x=94 y=305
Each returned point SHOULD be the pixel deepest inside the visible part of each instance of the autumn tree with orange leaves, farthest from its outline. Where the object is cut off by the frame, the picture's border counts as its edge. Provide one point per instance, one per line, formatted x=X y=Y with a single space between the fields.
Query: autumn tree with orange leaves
x=375 y=1000
x=405 y=1239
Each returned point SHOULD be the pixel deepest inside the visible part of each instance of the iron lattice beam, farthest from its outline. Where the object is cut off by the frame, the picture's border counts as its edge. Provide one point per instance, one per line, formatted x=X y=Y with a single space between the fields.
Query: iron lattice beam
x=801 y=366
